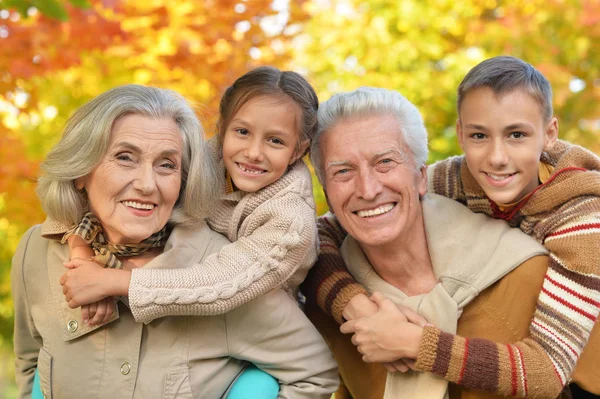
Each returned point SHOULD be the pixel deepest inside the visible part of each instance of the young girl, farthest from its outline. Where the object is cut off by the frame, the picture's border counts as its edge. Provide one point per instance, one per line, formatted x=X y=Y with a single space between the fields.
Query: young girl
x=267 y=119
x=513 y=169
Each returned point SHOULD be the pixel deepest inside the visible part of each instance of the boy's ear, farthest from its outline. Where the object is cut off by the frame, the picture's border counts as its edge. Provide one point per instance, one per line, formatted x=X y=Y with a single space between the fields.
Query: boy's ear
x=551 y=134
x=459 y=135
x=299 y=151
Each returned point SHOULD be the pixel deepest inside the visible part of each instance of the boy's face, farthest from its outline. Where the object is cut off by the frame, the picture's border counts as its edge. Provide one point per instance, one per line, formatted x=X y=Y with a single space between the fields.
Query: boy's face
x=503 y=138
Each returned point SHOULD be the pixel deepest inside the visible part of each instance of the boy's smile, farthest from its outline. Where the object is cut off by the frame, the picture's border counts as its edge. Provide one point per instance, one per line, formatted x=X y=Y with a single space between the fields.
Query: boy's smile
x=503 y=137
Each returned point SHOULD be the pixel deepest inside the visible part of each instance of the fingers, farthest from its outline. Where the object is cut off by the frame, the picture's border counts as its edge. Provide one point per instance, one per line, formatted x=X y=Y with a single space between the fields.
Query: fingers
x=389 y=367
x=414 y=317
x=377 y=297
x=72 y=264
x=110 y=308
x=63 y=280
x=400 y=365
x=85 y=313
x=92 y=309
x=100 y=312
x=348 y=327
x=410 y=363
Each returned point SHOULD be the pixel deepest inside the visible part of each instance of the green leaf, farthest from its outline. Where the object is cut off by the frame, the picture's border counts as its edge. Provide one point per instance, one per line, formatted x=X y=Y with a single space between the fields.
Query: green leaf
x=52 y=9
x=84 y=4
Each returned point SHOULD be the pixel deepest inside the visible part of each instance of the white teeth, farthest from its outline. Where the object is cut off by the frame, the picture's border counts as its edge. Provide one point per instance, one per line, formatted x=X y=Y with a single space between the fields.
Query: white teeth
x=253 y=171
x=376 y=211
x=138 y=205
x=499 y=177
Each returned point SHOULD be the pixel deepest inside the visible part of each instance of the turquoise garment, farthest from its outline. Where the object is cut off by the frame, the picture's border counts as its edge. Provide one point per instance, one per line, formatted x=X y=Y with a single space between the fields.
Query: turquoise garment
x=36 y=391
x=254 y=383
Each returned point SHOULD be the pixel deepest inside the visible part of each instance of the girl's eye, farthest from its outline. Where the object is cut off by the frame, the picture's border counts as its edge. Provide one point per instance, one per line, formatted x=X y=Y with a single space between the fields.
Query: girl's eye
x=275 y=140
x=242 y=131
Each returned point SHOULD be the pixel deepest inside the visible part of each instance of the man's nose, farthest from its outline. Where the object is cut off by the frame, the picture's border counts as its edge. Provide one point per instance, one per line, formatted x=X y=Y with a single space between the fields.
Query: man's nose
x=369 y=184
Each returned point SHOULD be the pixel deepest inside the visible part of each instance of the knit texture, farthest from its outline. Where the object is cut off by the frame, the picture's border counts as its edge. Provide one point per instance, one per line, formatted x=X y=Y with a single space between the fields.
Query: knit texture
x=563 y=215
x=273 y=234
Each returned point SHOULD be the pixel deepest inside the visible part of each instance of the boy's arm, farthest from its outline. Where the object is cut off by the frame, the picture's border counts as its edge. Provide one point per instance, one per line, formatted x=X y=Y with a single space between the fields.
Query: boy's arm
x=281 y=245
x=566 y=311
x=27 y=340
x=329 y=285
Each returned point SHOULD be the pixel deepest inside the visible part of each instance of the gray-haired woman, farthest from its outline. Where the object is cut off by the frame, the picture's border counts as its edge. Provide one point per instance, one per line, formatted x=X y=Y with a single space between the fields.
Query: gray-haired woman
x=133 y=170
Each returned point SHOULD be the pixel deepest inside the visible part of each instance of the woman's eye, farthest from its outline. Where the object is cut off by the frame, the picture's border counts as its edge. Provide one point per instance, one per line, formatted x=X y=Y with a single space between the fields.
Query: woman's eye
x=123 y=156
x=168 y=165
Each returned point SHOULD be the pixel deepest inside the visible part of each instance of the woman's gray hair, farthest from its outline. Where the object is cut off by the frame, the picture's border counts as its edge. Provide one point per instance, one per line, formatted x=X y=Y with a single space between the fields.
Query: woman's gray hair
x=366 y=102
x=85 y=141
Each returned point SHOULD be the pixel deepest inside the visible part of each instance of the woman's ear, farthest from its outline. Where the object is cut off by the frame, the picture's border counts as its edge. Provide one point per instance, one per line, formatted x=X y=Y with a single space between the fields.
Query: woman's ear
x=299 y=151
x=80 y=183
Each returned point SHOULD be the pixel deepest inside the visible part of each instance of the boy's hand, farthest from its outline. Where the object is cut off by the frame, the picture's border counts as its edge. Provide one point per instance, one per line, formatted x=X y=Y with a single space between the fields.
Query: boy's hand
x=359 y=306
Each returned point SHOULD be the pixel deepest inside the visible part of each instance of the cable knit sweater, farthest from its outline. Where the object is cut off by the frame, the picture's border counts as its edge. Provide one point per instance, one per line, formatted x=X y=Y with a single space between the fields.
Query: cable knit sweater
x=273 y=234
x=564 y=215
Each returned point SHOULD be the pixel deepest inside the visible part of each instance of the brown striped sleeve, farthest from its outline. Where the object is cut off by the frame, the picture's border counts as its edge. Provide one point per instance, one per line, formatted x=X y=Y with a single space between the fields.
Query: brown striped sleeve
x=329 y=285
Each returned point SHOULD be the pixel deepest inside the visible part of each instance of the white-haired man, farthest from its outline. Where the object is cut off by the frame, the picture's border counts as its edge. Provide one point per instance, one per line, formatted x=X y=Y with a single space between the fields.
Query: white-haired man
x=425 y=252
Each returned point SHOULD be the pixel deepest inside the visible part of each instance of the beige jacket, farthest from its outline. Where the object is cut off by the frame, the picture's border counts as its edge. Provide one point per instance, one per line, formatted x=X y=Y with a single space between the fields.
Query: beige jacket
x=173 y=357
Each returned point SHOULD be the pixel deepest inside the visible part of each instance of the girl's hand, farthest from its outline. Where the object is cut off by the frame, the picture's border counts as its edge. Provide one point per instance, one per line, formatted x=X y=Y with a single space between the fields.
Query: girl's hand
x=98 y=312
x=87 y=282
x=391 y=334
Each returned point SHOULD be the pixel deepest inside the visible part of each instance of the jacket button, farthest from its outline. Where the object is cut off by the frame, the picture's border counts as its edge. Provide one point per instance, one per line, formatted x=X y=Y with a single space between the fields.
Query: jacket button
x=72 y=325
x=125 y=368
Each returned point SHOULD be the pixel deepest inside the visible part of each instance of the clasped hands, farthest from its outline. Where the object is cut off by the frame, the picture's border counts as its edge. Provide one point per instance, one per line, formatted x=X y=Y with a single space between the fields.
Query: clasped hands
x=81 y=285
x=384 y=332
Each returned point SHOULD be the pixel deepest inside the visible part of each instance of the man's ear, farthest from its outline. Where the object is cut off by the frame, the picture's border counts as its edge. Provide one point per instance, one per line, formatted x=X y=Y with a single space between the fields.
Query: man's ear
x=327 y=201
x=299 y=151
x=460 y=135
x=551 y=134
x=423 y=180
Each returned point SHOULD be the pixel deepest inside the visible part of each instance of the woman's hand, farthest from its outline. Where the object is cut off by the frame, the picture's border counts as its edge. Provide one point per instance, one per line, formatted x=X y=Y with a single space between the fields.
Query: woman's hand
x=87 y=282
x=391 y=334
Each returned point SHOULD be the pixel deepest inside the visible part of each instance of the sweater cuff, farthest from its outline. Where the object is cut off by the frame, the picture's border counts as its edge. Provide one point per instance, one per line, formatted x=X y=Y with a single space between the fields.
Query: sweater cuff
x=335 y=292
x=426 y=357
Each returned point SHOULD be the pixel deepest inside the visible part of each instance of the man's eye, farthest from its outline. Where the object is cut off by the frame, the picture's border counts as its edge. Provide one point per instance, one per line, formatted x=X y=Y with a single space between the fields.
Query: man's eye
x=341 y=171
x=385 y=161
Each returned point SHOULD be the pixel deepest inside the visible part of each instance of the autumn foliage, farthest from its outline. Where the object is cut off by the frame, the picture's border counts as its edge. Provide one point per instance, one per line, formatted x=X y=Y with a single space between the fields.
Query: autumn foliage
x=61 y=54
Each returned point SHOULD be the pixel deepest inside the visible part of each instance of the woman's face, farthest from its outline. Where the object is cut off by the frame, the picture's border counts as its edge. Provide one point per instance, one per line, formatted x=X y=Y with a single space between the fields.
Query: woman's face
x=134 y=188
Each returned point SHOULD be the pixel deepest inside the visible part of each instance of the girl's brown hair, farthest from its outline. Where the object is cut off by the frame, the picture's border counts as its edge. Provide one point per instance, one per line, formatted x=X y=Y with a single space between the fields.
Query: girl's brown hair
x=269 y=81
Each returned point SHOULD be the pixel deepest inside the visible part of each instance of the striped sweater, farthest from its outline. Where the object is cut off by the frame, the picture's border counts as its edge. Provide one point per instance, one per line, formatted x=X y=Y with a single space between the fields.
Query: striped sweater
x=564 y=215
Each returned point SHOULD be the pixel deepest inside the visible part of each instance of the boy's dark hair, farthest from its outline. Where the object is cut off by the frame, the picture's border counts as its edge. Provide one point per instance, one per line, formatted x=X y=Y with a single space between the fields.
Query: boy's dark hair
x=270 y=81
x=504 y=74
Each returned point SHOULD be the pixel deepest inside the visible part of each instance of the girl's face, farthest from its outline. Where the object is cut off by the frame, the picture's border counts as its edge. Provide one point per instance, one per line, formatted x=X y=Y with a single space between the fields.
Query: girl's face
x=261 y=141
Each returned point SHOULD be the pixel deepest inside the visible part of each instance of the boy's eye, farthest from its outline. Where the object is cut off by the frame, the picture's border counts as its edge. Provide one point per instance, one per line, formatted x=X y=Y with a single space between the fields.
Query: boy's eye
x=517 y=135
x=242 y=131
x=478 y=136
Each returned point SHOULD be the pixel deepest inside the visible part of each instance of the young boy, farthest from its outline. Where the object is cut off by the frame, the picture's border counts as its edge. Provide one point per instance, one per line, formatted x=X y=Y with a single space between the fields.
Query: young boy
x=515 y=169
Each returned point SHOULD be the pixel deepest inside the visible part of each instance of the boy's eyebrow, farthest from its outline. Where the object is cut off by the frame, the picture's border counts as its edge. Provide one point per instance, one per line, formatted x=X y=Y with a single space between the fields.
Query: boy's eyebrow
x=517 y=126
x=475 y=126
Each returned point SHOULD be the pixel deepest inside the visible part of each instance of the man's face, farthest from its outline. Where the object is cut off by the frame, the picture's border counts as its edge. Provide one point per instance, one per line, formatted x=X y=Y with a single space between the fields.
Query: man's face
x=503 y=138
x=371 y=180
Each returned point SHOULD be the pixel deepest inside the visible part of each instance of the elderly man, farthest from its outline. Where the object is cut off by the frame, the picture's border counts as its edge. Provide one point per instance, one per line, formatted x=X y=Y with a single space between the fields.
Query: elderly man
x=422 y=251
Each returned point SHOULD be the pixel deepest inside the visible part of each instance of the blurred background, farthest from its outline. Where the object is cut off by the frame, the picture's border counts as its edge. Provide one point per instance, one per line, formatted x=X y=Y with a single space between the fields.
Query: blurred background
x=57 y=54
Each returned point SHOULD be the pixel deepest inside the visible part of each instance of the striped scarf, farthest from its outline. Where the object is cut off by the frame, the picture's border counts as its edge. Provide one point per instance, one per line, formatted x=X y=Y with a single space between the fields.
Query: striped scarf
x=106 y=253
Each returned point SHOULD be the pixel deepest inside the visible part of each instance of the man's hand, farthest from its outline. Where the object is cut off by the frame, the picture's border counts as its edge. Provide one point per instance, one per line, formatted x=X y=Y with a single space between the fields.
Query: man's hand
x=359 y=306
x=87 y=282
x=390 y=334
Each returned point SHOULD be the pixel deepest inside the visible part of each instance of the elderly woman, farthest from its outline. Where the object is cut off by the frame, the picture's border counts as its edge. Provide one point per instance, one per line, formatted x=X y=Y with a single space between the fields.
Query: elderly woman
x=133 y=170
